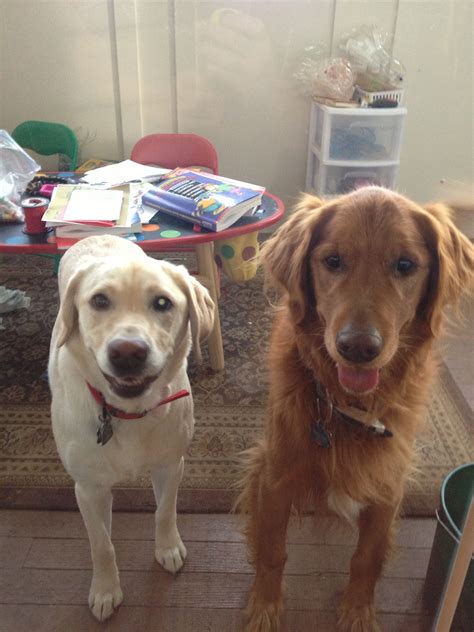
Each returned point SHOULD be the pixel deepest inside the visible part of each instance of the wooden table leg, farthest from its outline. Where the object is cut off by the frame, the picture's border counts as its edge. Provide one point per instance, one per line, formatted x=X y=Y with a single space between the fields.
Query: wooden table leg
x=217 y=277
x=206 y=269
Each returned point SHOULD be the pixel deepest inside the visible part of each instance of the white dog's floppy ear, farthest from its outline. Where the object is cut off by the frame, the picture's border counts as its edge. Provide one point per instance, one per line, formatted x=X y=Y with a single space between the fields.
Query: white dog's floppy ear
x=68 y=315
x=201 y=310
x=201 y=314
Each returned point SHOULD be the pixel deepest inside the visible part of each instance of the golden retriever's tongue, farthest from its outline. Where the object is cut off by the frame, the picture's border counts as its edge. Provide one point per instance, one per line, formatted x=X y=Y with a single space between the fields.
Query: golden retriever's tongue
x=358 y=380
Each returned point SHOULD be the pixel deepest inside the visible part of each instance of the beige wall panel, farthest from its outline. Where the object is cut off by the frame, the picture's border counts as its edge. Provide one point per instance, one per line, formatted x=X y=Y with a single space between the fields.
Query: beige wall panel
x=2 y=43
x=107 y=69
x=144 y=34
x=57 y=67
x=235 y=65
x=434 y=40
x=349 y=14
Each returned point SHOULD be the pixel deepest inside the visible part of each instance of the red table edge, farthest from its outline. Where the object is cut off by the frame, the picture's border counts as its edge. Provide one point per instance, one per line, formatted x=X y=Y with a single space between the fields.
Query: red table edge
x=152 y=245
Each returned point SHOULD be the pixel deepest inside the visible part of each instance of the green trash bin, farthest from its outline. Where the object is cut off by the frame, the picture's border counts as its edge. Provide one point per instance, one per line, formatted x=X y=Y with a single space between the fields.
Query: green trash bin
x=455 y=499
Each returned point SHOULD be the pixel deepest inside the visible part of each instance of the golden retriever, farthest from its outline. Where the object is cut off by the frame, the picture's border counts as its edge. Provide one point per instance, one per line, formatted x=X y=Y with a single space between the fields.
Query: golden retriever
x=121 y=402
x=365 y=281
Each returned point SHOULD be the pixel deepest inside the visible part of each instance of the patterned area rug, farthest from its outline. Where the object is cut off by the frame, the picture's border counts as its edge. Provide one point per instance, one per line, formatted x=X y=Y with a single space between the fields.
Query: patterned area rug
x=229 y=407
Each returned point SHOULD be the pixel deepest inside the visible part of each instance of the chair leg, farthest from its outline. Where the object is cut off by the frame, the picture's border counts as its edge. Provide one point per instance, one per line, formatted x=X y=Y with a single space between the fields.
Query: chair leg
x=57 y=261
x=206 y=269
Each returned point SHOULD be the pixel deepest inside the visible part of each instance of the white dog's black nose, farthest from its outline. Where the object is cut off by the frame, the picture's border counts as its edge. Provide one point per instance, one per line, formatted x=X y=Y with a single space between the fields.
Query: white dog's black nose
x=127 y=355
x=359 y=346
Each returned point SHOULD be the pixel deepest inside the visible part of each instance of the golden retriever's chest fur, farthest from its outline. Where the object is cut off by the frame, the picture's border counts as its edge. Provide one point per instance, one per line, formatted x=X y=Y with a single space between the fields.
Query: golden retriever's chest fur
x=359 y=467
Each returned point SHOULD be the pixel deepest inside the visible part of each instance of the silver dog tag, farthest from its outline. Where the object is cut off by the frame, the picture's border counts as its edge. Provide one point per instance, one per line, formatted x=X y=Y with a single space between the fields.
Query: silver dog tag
x=105 y=430
x=320 y=435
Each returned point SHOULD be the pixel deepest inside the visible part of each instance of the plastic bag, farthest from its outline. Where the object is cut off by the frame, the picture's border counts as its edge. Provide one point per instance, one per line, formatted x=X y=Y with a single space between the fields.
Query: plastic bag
x=323 y=76
x=17 y=168
x=305 y=64
x=376 y=69
x=333 y=78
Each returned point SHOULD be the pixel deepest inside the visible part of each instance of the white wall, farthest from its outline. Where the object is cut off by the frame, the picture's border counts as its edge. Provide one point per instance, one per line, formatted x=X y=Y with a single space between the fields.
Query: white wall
x=115 y=70
x=235 y=84
x=57 y=67
x=438 y=144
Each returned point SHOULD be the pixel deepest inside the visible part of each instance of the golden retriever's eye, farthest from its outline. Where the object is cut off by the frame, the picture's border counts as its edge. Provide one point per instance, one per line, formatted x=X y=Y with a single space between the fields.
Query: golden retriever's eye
x=405 y=266
x=100 y=302
x=333 y=262
x=161 y=304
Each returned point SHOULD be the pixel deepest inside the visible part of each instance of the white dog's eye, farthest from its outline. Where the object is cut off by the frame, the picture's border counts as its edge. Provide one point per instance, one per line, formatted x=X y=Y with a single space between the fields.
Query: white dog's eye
x=100 y=302
x=161 y=304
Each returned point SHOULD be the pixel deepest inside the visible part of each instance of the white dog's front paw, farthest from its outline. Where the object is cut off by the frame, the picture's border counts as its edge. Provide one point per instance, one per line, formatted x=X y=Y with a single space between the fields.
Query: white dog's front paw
x=104 y=597
x=171 y=557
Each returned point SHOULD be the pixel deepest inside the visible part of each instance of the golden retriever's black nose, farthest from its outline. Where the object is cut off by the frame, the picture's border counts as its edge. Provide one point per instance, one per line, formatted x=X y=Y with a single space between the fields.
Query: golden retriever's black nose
x=359 y=346
x=127 y=355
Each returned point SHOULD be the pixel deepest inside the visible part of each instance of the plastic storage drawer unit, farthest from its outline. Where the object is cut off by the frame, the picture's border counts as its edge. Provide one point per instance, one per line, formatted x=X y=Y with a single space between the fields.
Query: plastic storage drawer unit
x=350 y=147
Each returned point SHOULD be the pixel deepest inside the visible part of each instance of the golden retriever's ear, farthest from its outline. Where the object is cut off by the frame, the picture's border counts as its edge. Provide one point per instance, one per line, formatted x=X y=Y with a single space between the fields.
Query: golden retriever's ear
x=201 y=313
x=452 y=270
x=285 y=255
x=68 y=315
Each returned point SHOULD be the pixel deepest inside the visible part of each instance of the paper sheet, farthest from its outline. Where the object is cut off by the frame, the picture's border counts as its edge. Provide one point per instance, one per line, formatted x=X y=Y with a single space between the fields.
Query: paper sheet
x=122 y=172
x=94 y=205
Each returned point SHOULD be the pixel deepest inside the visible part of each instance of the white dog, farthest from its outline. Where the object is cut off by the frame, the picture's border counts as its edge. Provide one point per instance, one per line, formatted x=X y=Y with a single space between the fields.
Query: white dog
x=121 y=399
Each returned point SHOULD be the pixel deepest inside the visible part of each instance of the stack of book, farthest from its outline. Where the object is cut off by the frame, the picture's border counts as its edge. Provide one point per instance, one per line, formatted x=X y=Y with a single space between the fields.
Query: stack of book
x=78 y=210
x=213 y=202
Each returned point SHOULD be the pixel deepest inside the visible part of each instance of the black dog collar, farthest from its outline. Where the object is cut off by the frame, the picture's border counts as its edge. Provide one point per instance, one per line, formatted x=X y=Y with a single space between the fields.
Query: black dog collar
x=352 y=416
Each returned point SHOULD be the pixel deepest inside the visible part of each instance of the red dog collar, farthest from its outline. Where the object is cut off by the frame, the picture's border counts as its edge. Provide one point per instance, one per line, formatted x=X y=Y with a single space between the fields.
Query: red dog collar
x=121 y=414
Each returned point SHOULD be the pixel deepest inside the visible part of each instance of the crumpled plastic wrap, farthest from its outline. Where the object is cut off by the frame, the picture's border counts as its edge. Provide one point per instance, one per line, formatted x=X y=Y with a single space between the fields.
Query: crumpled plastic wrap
x=334 y=79
x=324 y=77
x=11 y=300
x=365 y=48
x=17 y=168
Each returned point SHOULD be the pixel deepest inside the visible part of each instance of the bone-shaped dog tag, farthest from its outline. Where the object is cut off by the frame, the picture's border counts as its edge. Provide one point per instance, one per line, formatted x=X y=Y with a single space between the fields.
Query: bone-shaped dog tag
x=105 y=430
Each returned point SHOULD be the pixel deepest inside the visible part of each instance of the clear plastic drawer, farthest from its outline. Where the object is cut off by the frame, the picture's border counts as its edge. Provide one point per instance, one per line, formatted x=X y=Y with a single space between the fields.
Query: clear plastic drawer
x=357 y=135
x=327 y=180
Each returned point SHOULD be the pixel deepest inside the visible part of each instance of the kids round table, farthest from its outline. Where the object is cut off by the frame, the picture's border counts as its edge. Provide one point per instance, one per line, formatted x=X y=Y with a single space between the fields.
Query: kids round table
x=233 y=250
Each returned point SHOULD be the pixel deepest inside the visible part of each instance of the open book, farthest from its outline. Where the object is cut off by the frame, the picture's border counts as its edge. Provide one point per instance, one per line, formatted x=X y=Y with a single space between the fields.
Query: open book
x=212 y=201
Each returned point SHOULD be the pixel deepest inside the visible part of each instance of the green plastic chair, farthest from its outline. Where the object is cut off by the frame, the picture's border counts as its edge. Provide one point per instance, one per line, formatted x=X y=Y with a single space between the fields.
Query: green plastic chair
x=48 y=138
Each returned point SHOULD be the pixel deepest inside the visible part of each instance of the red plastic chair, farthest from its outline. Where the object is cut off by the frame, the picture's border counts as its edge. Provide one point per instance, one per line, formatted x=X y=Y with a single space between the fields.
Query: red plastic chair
x=176 y=150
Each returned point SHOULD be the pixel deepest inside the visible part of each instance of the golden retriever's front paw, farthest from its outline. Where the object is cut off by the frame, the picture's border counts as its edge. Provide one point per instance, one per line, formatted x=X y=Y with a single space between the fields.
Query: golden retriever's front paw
x=267 y=620
x=104 y=597
x=357 y=619
x=171 y=557
x=263 y=616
